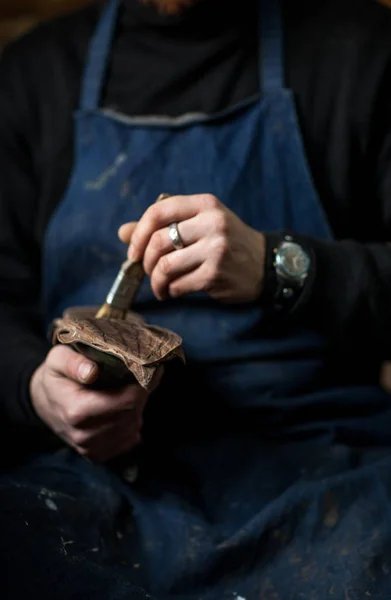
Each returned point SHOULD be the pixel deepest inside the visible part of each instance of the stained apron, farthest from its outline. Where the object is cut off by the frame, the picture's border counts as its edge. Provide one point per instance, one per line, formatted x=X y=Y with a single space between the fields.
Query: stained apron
x=265 y=470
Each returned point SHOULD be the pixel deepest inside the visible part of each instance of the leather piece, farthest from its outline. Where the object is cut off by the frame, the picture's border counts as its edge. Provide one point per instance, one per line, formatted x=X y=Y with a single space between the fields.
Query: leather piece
x=125 y=349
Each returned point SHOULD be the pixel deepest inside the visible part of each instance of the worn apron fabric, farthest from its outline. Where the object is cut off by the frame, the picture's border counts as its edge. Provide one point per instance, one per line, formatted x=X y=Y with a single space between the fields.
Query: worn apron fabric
x=265 y=471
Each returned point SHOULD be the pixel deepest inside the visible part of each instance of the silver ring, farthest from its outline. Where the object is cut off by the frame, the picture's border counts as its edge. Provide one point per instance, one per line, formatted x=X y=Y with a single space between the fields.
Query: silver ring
x=175 y=237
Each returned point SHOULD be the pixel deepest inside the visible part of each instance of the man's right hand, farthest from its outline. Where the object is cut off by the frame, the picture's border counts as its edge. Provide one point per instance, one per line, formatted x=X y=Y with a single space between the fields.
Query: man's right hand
x=97 y=424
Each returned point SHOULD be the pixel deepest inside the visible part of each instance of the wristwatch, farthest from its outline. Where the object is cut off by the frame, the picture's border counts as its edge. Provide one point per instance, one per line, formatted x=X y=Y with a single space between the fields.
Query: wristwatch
x=292 y=265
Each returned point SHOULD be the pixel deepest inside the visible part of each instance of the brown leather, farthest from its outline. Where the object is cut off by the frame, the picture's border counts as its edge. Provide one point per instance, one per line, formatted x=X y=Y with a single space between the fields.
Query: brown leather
x=124 y=349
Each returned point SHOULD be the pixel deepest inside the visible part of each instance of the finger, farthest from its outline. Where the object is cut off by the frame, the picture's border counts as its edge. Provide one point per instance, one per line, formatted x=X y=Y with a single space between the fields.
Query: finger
x=125 y=232
x=161 y=214
x=65 y=362
x=190 y=231
x=110 y=444
x=126 y=440
x=198 y=280
x=106 y=421
x=92 y=404
x=95 y=430
x=174 y=265
x=120 y=448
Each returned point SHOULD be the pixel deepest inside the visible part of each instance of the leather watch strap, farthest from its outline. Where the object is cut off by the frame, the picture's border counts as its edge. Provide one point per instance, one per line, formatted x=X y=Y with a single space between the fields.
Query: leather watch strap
x=274 y=297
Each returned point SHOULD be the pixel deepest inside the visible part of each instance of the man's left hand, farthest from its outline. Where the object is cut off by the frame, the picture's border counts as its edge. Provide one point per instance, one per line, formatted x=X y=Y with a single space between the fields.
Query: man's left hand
x=222 y=256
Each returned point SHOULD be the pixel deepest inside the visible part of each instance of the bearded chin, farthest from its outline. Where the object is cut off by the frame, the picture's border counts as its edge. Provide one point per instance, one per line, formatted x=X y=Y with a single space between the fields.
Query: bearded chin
x=169 y=6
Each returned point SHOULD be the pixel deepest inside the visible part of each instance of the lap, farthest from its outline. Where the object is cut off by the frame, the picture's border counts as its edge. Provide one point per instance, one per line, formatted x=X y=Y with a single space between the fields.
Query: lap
x=73 y=527
x=59 y=536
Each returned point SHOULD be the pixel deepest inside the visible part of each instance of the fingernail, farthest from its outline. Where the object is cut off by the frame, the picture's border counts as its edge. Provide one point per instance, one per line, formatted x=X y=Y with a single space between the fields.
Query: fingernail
x=131 y=251
x=85 y=371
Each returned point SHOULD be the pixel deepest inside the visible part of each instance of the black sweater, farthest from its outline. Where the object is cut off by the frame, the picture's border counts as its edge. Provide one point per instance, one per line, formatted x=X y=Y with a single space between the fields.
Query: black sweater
x=338 y=63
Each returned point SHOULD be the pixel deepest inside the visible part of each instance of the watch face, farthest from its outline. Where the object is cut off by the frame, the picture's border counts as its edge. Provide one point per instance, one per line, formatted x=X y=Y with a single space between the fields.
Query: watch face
x=293 y=260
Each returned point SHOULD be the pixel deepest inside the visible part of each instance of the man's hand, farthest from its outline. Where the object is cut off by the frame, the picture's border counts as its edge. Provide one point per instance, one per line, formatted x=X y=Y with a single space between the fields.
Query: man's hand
x=99 y=425
x=222 y=256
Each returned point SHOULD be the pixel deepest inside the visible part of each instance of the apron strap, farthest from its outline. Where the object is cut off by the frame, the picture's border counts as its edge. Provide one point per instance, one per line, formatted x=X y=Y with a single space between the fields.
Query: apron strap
x=272 y=46
x=97 y=57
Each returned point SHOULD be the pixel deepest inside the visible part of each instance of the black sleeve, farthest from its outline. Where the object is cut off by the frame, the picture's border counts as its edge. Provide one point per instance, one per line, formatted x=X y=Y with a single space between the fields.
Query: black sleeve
x=348 y=293
x=351 y=293
x=23 y=344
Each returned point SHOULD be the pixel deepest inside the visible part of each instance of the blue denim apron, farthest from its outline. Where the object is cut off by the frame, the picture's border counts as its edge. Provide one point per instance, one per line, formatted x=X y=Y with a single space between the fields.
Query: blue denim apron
x=247 y=487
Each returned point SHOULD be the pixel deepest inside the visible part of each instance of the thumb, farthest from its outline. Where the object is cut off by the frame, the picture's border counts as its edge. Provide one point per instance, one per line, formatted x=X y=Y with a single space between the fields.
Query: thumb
x=125 y=232
x=65 y=362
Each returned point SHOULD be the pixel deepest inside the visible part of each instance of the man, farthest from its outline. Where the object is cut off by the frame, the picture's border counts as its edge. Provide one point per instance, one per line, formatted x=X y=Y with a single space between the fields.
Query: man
x=263 y=466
